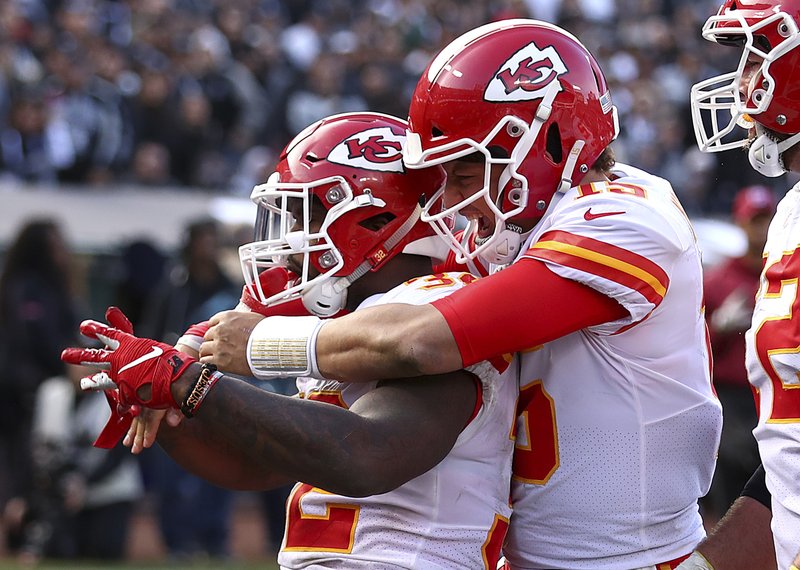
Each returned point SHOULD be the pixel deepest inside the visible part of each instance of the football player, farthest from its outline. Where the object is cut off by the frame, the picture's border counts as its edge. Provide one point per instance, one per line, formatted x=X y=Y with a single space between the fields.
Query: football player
x=407 y=474
x=756 y=107
x=600 y=288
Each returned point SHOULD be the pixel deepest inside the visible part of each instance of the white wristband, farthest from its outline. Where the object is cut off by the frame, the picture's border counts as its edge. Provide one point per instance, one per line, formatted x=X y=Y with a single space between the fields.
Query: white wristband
x=284 y=346
x=192 y=341
x=695 y=562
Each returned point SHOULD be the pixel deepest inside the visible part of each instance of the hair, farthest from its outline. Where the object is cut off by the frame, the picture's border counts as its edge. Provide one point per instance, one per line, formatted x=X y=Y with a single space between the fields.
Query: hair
x=32 y=252
x=606 y=161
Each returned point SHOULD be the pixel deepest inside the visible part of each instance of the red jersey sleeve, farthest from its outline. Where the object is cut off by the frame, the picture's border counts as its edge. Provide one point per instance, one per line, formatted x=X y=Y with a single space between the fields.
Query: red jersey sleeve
x=521 y=307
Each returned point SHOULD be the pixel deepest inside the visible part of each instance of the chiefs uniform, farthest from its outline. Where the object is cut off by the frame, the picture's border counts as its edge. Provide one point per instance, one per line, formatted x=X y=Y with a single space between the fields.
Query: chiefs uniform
x=619 y=426
x=453 y=516
x=773 y=361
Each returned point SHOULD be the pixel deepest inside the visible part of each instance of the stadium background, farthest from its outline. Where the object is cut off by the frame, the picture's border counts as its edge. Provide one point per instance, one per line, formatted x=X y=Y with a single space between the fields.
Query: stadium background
x=127 y=120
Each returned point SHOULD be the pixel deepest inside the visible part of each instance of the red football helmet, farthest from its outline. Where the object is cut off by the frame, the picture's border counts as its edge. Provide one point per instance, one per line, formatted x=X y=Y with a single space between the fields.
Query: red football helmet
x=528 y=96
x=348 y=170
x=763 y=93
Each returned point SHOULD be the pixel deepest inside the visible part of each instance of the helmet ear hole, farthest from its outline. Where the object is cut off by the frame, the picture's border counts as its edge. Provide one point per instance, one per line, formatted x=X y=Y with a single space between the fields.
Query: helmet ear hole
x=376 y=222
x=553 y=144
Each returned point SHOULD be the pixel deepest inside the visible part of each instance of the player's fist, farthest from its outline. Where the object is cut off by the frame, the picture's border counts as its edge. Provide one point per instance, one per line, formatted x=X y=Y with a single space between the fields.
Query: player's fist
x=225 y=343
x=141 y=368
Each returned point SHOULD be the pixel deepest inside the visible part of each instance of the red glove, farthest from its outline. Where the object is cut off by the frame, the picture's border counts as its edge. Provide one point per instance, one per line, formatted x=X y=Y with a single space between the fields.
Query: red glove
x=117 y=319
x=121 y=414
x=119 y=423
x=133 y=364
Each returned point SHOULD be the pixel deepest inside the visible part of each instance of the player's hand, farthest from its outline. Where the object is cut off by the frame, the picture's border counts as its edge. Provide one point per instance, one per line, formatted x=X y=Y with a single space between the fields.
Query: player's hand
x=144 y=430
x=142 y=369
x=225 y=343
x=695 y=562
x=122 y=415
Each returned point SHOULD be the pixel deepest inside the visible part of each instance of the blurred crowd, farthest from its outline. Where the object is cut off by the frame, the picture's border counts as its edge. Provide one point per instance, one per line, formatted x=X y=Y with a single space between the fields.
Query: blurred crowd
x=204 y=93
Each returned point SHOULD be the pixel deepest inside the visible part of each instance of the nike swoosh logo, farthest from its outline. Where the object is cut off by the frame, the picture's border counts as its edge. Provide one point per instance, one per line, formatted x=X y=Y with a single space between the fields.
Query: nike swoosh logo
x=589 y=216
x=154 y=353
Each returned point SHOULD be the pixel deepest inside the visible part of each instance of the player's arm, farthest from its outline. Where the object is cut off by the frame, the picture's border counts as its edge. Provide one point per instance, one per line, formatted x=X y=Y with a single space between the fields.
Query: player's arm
x=144 y=428
x=201 y=450
x=742 y=540
x=518 y=308
x=372 y=448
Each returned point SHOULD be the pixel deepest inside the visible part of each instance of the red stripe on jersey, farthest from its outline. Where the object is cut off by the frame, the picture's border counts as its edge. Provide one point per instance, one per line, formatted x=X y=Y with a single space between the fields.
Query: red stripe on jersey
x=604 y=260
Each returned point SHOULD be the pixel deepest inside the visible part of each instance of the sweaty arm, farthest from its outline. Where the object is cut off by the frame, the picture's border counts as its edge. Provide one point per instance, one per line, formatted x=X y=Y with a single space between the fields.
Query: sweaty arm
x=246 y=438
x=517 y=308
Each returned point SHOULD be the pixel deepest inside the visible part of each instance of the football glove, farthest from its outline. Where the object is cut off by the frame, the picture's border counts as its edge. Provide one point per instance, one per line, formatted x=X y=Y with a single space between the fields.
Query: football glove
x=142 y=369
x=122 y=415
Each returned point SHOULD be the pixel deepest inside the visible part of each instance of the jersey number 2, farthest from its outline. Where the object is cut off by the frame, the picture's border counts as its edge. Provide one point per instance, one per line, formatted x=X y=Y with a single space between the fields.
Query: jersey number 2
x=332 y=532
x=780 y=335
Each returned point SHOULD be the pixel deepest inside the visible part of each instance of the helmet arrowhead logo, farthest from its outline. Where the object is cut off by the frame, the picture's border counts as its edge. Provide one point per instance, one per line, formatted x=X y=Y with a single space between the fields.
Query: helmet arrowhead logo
x=372 y=149
x=525 y=75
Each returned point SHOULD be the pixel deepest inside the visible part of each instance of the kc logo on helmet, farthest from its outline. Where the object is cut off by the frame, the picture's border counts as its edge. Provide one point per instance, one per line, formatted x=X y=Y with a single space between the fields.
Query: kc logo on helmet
x=525 y=75
x=373 y=149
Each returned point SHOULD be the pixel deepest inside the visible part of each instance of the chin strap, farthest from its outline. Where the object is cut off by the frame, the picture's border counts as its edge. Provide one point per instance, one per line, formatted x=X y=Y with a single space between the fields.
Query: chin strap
x=505 y=246
x=569 y=166
x=509 y=239
x=766 y=153
x=329 y=297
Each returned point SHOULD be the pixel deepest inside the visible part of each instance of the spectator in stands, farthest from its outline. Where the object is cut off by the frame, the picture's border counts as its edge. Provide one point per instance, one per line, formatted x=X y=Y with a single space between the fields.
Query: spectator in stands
x=81 y=498
x=151 y=165
x=96 y=57
x=25 y=149
x=38 y=316
x=730 y=291
x=141 y=270
x=194 y=138
x=194 y=515
x=322 y=94
x=154 y=107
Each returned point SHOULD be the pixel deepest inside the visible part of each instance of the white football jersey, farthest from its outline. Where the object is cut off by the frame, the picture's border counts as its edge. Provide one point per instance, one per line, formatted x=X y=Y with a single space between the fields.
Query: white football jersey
x=453 y=516
x=773 y=362
x=620 y=426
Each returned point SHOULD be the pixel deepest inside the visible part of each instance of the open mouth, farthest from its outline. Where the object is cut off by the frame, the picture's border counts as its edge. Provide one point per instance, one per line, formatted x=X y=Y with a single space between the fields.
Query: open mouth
x=483 y=229
x=483 y=226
